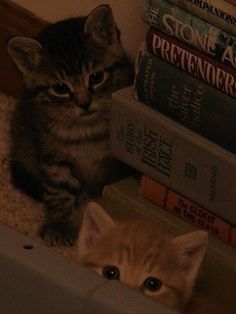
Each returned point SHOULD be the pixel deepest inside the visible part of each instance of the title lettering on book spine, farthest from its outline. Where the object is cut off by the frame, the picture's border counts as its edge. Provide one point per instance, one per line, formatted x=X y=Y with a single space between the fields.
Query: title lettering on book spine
x=193 y=64
x=152 y=149
x=199 y=216
x=210 y=39
x=211 y=9
x=184 y=101
x=196 y=215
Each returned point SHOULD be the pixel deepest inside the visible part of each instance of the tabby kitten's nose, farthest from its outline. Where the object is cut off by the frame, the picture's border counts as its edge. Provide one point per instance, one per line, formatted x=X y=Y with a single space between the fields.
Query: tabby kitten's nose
x=83 y=100
x=85 y=105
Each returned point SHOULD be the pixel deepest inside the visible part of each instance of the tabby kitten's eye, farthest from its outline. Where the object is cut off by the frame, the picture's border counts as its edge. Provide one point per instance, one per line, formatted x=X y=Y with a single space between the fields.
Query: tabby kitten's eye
x=60 y=89
x=97 y=78
x=152 y=284
x=111 y=272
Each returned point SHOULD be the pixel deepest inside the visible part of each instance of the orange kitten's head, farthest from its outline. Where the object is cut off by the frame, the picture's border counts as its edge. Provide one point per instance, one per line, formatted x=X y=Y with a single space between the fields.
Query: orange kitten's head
x=142 y=255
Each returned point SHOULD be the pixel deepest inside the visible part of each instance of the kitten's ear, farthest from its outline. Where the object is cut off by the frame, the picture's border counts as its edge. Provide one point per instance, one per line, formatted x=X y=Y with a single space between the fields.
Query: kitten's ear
x=190 y=249
x=101 y=26
x=26 y=52
x=96 y=222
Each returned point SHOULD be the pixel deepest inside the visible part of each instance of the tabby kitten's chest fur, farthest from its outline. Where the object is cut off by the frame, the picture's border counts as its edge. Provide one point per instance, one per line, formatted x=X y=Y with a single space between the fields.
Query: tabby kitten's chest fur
x=60 y=129
x=143 y=256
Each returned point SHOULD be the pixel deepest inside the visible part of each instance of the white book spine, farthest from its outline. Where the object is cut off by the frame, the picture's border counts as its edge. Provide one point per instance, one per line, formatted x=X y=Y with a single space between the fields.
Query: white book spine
x=174 y=155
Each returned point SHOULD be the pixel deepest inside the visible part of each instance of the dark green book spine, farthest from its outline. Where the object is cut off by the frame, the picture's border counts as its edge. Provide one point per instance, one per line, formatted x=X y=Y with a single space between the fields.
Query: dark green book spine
x=187 y=100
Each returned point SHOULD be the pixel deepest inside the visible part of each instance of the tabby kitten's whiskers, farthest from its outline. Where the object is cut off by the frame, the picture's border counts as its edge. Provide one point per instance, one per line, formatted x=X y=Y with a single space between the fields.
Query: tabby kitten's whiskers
x=60 y=130
x=141 y=255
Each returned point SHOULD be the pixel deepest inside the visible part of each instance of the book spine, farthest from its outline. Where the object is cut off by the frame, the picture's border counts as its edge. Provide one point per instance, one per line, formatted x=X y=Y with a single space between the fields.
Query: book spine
x=181 y=206
x=192 y=30
x=186 y=100
x=220 y=13
x=192 y=61
x=178 y=158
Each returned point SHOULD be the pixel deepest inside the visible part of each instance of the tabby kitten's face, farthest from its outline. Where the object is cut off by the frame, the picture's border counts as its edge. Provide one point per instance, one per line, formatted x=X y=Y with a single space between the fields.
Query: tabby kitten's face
x=142 y=256
x=72 y=67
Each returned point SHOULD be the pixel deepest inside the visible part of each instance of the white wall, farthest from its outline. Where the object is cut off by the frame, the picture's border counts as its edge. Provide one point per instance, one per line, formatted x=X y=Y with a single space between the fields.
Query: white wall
x=128 y=15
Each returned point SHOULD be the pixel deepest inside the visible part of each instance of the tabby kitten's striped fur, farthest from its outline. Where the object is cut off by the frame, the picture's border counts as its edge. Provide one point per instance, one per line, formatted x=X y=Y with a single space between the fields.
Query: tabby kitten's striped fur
x=60 y=129
x=142 y=256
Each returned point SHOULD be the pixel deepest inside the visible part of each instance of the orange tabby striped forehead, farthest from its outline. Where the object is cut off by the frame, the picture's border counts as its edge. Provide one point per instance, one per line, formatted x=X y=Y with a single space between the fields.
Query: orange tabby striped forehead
x=142 y=255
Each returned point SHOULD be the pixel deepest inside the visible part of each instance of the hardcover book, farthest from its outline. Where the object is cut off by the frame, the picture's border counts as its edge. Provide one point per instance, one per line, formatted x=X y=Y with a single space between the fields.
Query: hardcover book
x=173 y=155
x=192 y=30
x=188 y=210
x=192 y=61
x=186 y=99
x=220 y=13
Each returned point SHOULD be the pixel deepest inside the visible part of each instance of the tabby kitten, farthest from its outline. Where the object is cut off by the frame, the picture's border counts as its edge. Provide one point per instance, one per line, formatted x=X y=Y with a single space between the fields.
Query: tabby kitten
x=142 y=256
x=60 y=129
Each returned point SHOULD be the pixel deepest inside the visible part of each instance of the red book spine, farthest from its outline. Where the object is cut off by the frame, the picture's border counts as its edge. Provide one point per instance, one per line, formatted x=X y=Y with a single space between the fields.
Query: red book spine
x=192 y=61
x=181 y=206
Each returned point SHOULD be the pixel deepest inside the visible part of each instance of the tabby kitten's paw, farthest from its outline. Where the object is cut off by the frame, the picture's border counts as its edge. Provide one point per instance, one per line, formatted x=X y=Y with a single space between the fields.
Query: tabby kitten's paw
x=60 y=233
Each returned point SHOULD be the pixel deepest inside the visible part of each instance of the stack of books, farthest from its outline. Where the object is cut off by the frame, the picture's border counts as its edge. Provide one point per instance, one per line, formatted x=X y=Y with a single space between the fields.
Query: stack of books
x=189 y=73
x=177 y=125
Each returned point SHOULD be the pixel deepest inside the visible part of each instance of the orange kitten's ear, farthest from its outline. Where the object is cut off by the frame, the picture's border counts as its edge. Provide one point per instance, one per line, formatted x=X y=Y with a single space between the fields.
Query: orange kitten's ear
x=26 y=52
x=190 y=250
x=96 y=222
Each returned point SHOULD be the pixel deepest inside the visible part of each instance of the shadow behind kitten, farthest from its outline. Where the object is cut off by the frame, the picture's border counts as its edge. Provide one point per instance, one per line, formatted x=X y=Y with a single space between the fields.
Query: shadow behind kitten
x=60 y=129
x=143 y=256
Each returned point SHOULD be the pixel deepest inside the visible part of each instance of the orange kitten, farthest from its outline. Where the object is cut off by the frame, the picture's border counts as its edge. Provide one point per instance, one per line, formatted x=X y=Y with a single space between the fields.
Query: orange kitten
x=141 y=255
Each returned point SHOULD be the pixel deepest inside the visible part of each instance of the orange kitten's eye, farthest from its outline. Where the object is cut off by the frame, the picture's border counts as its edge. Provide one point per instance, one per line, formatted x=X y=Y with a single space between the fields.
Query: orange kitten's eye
x=152 y=284
x=111 y=272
